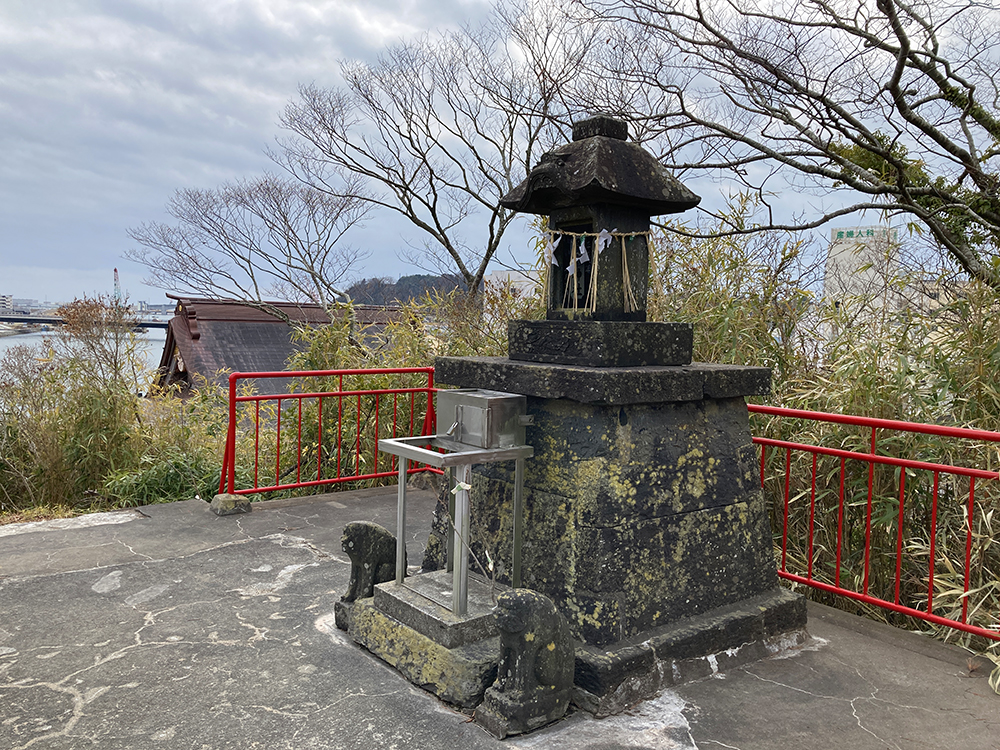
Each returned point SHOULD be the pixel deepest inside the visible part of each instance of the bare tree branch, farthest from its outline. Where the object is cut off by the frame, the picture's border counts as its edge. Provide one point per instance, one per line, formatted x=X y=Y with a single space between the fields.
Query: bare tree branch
x=442 y=127
x=895 y=100
x=253 y=239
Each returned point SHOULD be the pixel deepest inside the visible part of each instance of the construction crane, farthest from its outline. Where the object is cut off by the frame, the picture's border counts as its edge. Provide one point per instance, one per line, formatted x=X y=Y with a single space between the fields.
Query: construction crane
x=118 y=289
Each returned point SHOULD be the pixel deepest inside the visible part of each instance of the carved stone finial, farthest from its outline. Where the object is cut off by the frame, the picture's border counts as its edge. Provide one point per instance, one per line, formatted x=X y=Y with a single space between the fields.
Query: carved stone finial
x=606 y=125
x=535 y=677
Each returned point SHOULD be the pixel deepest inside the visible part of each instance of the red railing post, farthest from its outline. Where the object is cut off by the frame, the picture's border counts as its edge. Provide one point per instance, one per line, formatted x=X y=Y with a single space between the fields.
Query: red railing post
x=899 y=530
x=430 y=418
x=968 y=547
x=229 y=462
x=933 y=540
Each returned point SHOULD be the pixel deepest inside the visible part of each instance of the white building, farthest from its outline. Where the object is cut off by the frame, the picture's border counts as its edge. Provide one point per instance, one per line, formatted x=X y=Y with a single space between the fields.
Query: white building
x=522 y=281
x=6 y=303
x=860 y=262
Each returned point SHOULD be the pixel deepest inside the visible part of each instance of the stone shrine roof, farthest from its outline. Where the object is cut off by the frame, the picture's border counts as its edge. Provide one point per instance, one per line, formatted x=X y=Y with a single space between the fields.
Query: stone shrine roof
x=600 y=166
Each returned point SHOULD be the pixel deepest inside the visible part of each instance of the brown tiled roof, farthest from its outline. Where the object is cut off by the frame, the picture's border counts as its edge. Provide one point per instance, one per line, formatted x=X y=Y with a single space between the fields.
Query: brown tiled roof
x=211 y=336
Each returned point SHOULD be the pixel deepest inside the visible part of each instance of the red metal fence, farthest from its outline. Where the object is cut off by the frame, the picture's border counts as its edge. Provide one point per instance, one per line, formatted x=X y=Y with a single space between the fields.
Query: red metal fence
x=323 y=435
x=861 y=520
x=857 y=517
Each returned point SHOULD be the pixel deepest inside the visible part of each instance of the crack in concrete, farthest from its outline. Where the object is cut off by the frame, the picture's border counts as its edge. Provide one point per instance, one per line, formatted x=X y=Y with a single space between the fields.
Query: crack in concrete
x=358 y=694
x=79 y=702
x=81 y=699
x=281 y=712
x=282 y=581
x=129 y=548
x=721 y=744
x=852 y=702
x=301 y=519
x=293 y=542
x=244 y=532
x=857 y=718
x=259 y=634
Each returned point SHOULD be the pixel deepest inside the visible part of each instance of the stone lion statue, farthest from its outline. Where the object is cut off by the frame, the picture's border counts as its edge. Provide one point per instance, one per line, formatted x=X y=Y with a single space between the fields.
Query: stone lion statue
x=372 y=550
x=535 y=676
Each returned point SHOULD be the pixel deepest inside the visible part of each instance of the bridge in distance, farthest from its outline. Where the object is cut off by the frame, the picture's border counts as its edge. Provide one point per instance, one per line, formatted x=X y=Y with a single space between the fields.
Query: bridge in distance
x=54 y=321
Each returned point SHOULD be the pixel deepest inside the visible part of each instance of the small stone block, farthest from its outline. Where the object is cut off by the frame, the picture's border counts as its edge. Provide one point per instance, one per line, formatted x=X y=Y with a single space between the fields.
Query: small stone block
x=228 y=505
x=342 y=614
x=459 y=676
x=609 y=127
x=600 y=343
x=424 y=603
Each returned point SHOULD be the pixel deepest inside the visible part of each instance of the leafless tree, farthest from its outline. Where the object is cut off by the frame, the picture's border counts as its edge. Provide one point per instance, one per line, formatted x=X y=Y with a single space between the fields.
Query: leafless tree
x=870 y=105
x=442 y=127
x=254 y=239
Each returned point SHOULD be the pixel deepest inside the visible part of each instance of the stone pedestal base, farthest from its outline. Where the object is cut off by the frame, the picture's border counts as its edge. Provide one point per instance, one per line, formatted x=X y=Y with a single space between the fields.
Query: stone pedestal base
x=411 y=628
x=502 y=715
x=644 y=521
x=609 y=680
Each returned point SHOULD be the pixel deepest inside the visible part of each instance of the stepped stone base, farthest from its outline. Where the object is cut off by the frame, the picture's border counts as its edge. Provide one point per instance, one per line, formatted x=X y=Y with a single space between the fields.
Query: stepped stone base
x=411 y=628
x=609 y=680
x=644 y=521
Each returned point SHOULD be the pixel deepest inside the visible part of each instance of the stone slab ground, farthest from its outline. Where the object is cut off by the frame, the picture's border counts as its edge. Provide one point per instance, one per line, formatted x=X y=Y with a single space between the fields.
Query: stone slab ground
x=170 y=627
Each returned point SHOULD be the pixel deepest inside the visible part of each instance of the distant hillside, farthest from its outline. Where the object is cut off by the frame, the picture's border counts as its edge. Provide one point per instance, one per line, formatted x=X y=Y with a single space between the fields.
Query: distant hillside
x=385 y=291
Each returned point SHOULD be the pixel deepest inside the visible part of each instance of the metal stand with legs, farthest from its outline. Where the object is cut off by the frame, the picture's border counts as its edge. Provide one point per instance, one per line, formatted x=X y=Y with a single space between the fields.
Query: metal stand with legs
x=458 y=458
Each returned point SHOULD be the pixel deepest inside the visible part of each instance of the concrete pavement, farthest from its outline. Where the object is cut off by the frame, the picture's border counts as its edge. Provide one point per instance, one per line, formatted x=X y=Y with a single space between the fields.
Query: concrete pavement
x=168 y=627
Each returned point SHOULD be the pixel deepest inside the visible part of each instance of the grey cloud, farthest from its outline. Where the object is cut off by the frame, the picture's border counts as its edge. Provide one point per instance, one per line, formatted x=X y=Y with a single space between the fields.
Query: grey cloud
x=107 y=107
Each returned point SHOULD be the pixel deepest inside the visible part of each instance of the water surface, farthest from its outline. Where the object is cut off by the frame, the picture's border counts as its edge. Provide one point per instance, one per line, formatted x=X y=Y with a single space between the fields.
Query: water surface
x=151 y=343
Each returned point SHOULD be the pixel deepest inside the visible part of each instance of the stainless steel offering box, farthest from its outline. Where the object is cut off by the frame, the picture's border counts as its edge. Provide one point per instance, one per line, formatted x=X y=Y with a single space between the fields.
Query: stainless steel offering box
x=484 y=419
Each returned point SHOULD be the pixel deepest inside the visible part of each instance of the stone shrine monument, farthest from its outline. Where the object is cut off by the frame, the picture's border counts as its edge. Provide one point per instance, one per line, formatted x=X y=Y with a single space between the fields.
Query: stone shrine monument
x=632 y=511
x=643 y=517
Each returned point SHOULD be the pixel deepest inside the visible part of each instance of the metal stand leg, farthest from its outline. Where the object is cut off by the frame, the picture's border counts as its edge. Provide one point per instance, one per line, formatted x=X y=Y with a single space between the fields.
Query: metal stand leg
x=401 y=523
x=460 y=578
x=515 y=574
x=450 y=565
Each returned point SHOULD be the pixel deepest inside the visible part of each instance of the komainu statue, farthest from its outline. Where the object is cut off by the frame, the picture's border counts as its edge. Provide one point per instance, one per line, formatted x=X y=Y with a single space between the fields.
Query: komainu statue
x=535 y=677
x=372 y=550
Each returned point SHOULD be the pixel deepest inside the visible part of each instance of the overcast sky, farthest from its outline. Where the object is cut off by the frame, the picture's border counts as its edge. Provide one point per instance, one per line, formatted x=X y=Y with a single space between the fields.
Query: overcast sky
x=108 y=106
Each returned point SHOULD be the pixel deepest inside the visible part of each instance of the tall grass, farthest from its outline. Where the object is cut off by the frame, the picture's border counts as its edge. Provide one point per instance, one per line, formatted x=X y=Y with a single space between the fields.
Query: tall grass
x=75 y=434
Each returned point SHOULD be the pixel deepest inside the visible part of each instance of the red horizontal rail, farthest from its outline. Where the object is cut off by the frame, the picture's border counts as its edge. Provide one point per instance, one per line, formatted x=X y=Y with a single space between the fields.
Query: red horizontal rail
x=328 y=373
x=324 y=482
x=888 y=424
x=800 y=518
x=882 y=603
x=325 y=394
x=877 y=459
x=359 y=399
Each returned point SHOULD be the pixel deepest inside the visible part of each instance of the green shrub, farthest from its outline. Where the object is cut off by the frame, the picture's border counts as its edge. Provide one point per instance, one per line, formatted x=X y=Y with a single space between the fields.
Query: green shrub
x=74 y=433
x=170 y=475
